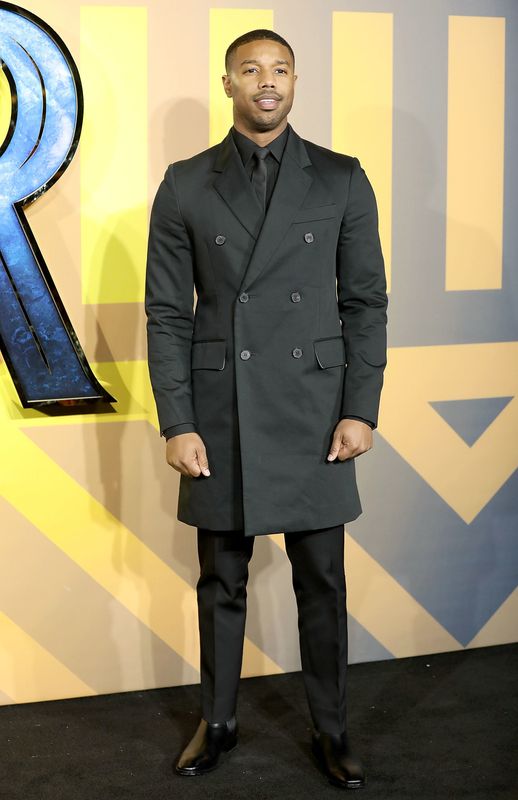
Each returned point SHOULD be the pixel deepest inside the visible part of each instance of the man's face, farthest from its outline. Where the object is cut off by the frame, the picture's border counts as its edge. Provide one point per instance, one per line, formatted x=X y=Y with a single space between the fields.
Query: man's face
x=261 y=84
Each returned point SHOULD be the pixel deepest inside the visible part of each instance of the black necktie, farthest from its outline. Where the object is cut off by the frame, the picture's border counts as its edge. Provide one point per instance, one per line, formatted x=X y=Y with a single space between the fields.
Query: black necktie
x=260 y=174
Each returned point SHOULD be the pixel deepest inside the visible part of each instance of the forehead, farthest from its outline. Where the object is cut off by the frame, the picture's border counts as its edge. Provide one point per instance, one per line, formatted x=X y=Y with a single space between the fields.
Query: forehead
x=262 y=51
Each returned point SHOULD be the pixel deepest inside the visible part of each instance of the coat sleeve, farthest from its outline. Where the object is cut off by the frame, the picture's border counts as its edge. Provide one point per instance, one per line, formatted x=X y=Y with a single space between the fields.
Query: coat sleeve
x=362 y=299
x=169 y=305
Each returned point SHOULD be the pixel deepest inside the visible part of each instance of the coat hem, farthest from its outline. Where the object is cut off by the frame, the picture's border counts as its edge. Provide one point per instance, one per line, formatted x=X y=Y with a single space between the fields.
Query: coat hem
x=343 y=520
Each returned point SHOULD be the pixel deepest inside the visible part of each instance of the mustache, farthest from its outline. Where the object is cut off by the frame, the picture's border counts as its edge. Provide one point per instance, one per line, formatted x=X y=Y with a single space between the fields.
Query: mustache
x=269 y=95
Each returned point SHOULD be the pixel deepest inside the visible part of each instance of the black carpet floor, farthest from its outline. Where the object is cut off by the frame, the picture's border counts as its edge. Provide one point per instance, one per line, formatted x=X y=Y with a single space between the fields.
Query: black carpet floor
x=438 y=726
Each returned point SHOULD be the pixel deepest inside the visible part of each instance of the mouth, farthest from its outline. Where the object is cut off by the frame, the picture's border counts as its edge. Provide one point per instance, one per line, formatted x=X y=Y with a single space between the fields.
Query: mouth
x=267 y=102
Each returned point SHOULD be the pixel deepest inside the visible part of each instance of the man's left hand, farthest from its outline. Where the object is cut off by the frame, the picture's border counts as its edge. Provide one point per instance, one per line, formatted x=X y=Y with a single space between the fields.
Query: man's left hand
x=351 y=438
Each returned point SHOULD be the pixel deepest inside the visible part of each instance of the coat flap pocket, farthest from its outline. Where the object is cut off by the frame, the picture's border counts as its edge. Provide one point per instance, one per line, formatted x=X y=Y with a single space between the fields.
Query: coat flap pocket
x=330 y=352
x=208 y=355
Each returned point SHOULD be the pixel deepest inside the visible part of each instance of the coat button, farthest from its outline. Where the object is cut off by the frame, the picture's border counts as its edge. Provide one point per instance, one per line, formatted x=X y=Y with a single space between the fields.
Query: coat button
x=243 y=298
x=295 y=297
x=296 y=353
x=308 y=238
x=220 y=239
x=245 y=354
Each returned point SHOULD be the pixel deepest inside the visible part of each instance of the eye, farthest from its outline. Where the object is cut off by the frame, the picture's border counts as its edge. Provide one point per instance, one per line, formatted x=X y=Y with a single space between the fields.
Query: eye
x=251 y=69
x=280 y=69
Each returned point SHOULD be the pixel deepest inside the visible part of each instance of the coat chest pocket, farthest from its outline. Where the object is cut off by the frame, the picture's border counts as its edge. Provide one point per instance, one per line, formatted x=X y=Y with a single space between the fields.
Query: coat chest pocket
x=208 y=354
x=316 y=213
x=315 y=226
x=330 y=352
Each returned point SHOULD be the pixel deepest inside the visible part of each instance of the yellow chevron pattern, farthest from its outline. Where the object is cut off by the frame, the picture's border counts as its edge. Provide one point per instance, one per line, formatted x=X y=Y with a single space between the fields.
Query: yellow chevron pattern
x=80 y=526
x=501 y=627
x=28 y=672
x=456 y=471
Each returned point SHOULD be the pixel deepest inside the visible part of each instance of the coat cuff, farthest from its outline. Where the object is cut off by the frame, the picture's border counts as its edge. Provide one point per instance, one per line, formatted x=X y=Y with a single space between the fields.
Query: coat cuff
x=367 y=421
x=183 y=427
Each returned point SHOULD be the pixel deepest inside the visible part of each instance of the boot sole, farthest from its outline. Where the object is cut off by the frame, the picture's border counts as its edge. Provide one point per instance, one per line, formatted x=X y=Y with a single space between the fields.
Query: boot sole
x=196 y=772
x=320 y=761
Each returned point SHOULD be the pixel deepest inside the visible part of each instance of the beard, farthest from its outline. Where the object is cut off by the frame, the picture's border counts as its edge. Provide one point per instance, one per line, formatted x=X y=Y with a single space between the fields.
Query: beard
x=268 y=121
x=268 y=124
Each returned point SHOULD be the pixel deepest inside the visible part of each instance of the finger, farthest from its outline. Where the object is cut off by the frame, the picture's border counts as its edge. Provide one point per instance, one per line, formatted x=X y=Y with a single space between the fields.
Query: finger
x=337 y=446
x=191 y=465
x=187 y=466
x=355 y=451
x=334 y=449
x=202 y=460
x=347 y=451
x=180 y=466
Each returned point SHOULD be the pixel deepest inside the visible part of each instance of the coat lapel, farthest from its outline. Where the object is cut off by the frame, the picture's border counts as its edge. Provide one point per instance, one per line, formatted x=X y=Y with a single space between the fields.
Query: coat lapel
x=235 y=188
x=291 y=188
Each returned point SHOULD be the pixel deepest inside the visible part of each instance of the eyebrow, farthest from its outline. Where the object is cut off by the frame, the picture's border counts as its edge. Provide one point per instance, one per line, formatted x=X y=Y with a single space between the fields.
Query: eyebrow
x=254 y=61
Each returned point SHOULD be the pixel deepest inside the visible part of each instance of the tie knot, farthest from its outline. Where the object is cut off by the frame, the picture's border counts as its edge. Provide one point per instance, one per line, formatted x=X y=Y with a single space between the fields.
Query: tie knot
x=261 y=153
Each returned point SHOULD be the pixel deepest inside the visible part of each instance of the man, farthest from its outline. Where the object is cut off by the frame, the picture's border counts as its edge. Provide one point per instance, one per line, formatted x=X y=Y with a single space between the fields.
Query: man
x=270 y=389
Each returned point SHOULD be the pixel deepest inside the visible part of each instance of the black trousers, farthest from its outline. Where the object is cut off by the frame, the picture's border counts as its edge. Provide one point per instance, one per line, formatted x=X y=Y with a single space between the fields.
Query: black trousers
x=317 y=561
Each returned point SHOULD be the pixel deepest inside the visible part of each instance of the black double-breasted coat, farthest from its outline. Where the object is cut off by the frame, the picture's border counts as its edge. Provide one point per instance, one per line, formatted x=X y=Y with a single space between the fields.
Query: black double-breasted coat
x=287 y=335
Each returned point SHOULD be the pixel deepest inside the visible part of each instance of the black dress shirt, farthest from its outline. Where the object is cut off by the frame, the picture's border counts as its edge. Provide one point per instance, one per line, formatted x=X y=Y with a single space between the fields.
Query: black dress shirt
x=246 y=147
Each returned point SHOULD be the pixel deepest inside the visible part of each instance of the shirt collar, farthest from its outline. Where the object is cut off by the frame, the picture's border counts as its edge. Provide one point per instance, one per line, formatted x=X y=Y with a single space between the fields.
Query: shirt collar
x=246 y=146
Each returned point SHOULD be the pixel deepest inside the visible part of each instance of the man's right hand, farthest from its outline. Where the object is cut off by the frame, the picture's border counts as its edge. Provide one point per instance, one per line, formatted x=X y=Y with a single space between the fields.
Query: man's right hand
x=186 y=453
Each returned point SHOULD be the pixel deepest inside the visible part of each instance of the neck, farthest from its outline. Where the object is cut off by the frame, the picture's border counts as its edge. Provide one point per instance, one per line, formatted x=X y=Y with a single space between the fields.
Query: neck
x=261 y=138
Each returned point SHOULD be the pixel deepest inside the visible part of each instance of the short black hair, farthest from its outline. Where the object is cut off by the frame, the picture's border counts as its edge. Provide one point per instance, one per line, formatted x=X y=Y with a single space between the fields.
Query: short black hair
x=255 y=36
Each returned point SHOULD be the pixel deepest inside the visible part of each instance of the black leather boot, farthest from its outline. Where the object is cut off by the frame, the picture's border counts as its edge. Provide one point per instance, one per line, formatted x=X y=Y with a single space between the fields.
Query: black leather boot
x=334 y=755
x=205 y=748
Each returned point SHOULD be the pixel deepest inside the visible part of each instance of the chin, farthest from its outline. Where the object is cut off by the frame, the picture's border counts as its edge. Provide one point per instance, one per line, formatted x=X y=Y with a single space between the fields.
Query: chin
x=267 y=123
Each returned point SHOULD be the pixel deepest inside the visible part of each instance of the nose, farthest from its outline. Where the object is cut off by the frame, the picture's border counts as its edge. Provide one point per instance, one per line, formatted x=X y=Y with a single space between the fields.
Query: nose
x=267 y=82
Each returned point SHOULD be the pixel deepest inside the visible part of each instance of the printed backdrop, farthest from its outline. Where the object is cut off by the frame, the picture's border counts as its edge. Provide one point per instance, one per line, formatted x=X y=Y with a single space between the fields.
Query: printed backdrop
x=97 y=576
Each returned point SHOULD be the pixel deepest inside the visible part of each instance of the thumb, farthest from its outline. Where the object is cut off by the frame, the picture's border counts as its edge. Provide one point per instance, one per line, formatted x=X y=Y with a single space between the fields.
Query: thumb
x=202 y=459
x=335 y=447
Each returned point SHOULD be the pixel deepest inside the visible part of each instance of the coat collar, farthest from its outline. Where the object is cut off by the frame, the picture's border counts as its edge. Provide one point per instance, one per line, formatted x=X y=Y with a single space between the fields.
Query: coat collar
x=246 y=147
x=292 y=185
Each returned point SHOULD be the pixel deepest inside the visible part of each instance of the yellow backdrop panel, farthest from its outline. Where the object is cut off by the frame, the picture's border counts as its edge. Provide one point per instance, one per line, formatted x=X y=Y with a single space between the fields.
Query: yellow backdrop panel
x=114 y=203
x=475 y=185
x=362 y=104
x=226 y=24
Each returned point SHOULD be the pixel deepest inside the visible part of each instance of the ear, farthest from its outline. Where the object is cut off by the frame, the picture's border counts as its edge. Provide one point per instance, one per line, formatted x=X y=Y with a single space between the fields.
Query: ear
x=295 y=78
x=227 y=85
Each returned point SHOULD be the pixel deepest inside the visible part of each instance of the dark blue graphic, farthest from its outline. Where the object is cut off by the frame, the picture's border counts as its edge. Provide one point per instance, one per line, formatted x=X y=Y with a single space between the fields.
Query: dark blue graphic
x=471 y=418
x=37 y=339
